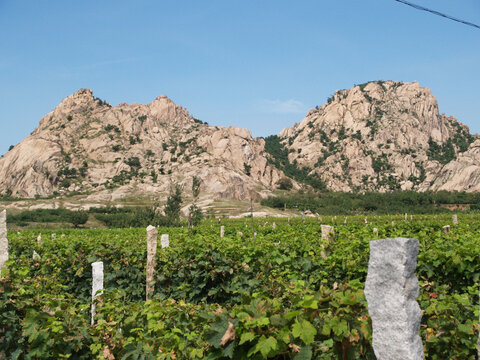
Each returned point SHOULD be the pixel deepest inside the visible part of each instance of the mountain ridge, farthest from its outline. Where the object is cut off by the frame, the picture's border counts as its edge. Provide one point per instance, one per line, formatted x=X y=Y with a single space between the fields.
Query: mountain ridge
x=377 y=136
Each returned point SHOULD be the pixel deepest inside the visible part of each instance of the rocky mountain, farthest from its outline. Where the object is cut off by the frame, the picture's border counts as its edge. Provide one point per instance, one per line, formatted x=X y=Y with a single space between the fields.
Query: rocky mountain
x=377 y=136
x=86 y=145
x=383 y=136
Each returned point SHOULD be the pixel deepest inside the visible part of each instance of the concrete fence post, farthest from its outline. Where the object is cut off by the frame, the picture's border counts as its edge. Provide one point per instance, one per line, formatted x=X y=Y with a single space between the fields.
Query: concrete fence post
x=328 y=232
x=455 y=219
x=152 y=237
x=3 y=239
x=97 y=284
x=391 y=290
x=165 y=241
x=222 y=231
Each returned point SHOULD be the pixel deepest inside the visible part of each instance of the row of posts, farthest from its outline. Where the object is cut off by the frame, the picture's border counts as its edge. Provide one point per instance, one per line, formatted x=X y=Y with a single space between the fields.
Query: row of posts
x=391 y=289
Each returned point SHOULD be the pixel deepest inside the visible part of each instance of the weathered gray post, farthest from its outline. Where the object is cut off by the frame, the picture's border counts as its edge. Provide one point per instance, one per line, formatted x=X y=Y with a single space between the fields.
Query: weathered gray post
x=222 y=231
x=391 y=290
x=3 y=239
x=152 y=237
x=328 y=232
x=165 y=241
x=478 y=341
x=97 y=284
x=455 y=219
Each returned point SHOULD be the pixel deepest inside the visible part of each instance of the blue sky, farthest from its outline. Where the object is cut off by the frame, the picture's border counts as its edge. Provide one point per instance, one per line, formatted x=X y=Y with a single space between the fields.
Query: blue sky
x=259 y=64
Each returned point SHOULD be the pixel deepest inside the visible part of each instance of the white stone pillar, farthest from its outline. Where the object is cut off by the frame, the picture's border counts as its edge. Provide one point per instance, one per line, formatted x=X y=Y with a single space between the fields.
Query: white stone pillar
x=391 y=290
x=222 y=231
x=3 y=239
x=165 y=241
x=455 y=219
x=328 y=232
x=152 y=237
x=274 y=226
x=39 y=239
x=97 y=284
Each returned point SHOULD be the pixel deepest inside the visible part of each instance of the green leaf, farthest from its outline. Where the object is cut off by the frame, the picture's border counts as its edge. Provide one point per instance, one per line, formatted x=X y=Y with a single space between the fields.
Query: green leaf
x=249 y=336
x=304 y=354
x=304 y=330
x=266 y=345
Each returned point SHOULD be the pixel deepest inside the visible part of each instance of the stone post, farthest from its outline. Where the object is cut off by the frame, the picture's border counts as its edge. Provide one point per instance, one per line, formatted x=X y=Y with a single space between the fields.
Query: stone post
x=3 y=239
x=406 y=216
x=165 y=241
x=478 y=342
x=391 y=290
x=152 y=237
x=39 y=239
x=97 y=284
x=455 y=219
x=274 y=226
x=328 y=232
x=222 y=231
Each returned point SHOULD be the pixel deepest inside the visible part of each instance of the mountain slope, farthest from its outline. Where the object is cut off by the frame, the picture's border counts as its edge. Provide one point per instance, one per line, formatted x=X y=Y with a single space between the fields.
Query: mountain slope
x=85 y=145
x=378 y=136
x=383 y=136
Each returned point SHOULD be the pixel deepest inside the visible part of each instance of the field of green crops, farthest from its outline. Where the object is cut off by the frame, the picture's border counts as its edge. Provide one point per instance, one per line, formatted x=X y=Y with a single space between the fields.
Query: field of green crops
x=288 y=294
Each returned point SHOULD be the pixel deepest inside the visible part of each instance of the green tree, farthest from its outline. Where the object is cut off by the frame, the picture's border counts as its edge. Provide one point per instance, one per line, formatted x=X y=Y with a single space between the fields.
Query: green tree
x=174 y=203
x=195 y=213
x=285 y=183
x=78 y=217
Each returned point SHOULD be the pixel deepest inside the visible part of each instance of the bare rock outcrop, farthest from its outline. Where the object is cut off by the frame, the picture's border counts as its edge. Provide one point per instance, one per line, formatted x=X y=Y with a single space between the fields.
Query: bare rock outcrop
x=383 y=136
x=86 y=145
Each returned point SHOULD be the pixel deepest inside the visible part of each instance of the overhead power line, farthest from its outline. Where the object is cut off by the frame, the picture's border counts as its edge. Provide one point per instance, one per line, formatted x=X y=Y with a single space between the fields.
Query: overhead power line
x=437 y=13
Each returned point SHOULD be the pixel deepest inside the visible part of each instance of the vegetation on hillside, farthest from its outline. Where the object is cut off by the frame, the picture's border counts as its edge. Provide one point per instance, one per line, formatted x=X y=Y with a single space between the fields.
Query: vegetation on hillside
x=371 y=202
x=279 y=158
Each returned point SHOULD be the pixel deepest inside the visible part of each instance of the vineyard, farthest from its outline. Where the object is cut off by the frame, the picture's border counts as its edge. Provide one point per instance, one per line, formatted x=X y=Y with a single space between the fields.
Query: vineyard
x=285 y=293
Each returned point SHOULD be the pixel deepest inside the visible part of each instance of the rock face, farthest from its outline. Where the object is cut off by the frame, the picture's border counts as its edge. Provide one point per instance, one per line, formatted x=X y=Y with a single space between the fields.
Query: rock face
x=378 y=136
x=383 y=136
x=86 y=145
x=391 y=290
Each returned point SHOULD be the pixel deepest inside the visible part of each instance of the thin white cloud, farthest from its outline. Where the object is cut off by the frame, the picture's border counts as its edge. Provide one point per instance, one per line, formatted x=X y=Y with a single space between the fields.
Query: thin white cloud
x=290 y=106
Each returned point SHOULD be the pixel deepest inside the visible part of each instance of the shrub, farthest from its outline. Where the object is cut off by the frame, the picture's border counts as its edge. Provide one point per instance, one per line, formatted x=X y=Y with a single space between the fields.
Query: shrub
x=285 y=183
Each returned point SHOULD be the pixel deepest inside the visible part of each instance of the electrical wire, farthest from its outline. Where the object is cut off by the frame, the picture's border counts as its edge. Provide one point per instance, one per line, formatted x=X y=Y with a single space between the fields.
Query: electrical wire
x=418 y=7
